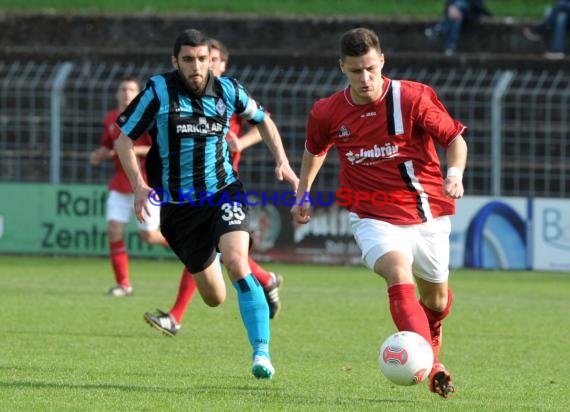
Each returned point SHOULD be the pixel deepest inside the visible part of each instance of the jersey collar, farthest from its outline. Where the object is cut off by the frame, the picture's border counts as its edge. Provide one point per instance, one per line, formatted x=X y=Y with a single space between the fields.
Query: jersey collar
x=385 y=85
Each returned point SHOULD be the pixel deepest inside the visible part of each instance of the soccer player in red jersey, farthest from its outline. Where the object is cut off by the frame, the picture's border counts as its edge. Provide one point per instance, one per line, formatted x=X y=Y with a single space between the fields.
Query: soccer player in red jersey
x=169 y=322
x=120 y=199
x=385 y=132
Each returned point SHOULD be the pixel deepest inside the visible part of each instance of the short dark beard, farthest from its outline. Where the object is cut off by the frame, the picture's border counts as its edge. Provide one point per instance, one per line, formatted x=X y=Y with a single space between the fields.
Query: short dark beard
x=189 y=86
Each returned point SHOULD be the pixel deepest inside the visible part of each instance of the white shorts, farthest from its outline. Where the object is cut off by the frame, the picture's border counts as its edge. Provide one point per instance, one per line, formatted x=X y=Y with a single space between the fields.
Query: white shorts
x=121 y=208
x=425 y=245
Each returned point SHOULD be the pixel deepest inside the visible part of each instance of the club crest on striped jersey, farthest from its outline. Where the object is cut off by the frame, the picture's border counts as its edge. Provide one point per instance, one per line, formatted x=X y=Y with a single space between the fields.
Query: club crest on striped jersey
x=220 y=107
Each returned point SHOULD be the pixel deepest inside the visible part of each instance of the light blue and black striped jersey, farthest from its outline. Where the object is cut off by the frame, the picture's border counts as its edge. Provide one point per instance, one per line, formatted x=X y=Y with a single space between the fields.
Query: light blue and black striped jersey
x=189 y=132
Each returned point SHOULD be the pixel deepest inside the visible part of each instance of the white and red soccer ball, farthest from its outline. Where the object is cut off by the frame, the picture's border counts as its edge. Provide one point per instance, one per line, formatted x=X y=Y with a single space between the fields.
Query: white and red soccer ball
x=405 y=358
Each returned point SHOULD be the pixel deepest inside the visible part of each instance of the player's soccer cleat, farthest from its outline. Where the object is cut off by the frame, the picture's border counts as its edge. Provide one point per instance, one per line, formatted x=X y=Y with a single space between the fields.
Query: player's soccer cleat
x=120 y=291
x=272 y=295
x=262 y=367
x=440 y=380
x=436 y=337
x=163 y=322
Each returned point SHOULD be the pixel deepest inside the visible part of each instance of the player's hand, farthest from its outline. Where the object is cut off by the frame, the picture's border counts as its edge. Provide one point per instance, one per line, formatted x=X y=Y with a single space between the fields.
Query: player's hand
x=233 y=142
x=283 y=171
x=141 y=203
x=453 y=187
x=97 y=156
x=301 y=213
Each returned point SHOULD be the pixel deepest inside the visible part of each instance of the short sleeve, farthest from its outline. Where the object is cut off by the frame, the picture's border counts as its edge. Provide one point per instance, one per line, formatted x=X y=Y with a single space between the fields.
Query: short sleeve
x=434 y=118
x=318 y=141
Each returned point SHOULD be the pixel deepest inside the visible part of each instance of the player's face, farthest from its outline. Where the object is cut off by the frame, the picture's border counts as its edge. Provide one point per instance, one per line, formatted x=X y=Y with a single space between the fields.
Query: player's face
x=217 y=65
x=193 y=63
x=364 y=73
x=126 y=92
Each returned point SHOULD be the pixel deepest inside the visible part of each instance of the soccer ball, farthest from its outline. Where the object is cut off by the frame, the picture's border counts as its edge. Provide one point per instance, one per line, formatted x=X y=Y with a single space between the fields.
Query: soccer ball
x=405 y=358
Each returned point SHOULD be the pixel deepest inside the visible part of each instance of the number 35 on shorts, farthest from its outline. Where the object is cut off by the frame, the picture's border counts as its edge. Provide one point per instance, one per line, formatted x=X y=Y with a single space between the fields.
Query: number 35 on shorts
x=233 y=213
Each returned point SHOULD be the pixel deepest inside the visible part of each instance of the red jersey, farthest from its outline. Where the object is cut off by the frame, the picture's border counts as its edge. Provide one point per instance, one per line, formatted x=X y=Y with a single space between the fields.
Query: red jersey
x=389 y=167
x=235 y=126
x=111 y=132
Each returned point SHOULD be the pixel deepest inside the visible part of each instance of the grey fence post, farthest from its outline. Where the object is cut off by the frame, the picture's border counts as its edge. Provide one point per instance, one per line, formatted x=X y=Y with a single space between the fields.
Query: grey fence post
x=55 y=120
x=497 y=130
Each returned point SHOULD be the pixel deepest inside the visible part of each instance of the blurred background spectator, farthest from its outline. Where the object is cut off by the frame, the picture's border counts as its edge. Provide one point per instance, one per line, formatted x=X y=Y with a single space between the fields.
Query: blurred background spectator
x=455 y=15
x=554 y=24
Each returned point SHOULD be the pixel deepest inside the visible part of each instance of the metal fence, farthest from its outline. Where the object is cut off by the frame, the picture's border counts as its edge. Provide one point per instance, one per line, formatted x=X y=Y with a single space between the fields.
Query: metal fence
x=518 y=121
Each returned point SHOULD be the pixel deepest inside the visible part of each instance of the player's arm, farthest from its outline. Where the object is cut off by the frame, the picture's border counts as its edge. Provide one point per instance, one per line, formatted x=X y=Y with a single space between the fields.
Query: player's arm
x=270 y=135
x=248 y=139
x=126 y=151
x=100 y=154
x=310 y=167
x=141 y=150
x=456 y=159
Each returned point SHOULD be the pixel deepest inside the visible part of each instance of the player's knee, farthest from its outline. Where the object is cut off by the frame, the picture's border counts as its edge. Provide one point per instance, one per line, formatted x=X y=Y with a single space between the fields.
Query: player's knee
x=436 y=301
x=214 y=298
x=236 y=264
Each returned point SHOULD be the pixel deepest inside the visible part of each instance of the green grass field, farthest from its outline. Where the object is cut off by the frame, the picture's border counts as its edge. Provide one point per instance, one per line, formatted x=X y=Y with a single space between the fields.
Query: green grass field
x=66 y=346
x=368 y=8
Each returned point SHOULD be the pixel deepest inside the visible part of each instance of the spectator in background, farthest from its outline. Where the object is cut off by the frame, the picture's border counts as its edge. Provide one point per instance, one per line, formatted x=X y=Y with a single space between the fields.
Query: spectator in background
x=556 y=22
x=455 y=15
x=120 y=198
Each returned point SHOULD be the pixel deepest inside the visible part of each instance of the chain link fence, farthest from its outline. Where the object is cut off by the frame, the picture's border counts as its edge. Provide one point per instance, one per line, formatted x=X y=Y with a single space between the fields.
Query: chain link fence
x=518 y=121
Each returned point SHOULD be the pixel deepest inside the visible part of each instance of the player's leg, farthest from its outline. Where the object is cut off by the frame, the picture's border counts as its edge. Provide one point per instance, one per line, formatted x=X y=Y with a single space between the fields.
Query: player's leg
x=170 y=322
x=271 y=283
x=119 y=211
x=386 y=250
x=251 y=299
x=431 y=267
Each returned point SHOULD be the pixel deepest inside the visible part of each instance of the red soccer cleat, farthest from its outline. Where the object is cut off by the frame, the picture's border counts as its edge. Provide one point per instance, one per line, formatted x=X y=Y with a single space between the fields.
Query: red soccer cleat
x=440 y=380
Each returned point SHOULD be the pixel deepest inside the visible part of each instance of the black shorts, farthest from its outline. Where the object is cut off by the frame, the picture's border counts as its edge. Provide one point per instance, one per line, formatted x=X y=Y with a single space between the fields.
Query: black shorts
x=193 y=230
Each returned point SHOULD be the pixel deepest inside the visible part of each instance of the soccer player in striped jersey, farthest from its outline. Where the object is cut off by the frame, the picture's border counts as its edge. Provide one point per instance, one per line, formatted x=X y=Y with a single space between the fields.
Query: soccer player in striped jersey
x=385 y=132
x=170 y=322
x=187 y=113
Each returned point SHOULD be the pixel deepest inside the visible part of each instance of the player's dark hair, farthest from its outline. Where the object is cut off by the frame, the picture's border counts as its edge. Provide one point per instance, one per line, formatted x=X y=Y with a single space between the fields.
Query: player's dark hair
x=218 y=45
x=357 y=42
x=190 y=37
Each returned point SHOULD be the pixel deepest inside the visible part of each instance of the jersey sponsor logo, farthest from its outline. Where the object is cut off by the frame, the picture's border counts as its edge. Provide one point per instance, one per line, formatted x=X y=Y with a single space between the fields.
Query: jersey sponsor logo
x=368 y=114
x=202 y=127
x=370 y=156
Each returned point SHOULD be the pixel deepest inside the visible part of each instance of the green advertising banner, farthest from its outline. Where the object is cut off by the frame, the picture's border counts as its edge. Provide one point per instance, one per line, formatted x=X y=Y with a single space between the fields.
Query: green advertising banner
x=62 y=219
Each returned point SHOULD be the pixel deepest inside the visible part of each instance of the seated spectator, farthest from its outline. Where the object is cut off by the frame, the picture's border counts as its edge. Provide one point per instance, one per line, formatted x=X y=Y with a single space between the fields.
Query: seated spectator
x=456 y=13
x=555 y=23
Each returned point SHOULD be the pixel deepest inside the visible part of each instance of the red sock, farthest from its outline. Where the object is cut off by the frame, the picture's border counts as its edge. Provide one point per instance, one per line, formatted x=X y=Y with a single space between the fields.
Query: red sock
x=120 y=262
x=185 y=292
x=435 y=316
x=406 y=310
x=262 y=276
